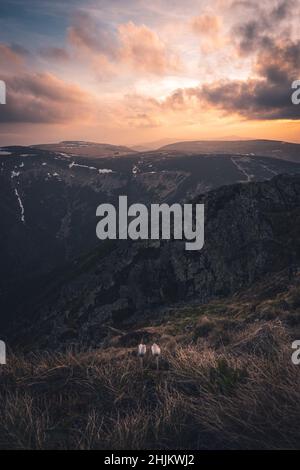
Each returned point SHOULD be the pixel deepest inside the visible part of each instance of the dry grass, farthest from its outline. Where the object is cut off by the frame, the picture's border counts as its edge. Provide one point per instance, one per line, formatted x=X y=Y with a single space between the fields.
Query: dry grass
x=246 y=395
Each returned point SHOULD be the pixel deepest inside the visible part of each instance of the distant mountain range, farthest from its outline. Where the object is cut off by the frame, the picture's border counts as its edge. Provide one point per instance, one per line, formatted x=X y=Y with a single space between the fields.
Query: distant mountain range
x=268 y=148
x=149 y=146
x=157 y=144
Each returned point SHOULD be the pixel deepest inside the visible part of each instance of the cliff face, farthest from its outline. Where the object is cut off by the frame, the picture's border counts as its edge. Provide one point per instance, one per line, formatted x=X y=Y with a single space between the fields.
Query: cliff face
x=251 y=231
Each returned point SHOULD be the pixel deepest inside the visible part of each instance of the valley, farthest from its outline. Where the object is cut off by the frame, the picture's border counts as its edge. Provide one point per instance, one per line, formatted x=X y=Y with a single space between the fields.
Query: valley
x=74 y=308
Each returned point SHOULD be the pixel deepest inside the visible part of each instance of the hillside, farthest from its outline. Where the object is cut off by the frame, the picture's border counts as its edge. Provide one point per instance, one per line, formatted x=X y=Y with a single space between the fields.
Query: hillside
x=251 y=231
x=49 y=200
x=225 y=381
x=268 y=148
x=225 y=317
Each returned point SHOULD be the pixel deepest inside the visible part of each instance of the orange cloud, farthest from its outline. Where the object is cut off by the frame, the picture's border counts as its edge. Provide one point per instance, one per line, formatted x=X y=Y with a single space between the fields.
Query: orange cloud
x=210 y=29
x=143 y=120
x=131 y=46
x=142 y=49
x=207 y=24
x=9 y=59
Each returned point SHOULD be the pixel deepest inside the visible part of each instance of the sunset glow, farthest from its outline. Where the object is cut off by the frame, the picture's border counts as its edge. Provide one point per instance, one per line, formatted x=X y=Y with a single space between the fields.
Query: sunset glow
x=132 y=71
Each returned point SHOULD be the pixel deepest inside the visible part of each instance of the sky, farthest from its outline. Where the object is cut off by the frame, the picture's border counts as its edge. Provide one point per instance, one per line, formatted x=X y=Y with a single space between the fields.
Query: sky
x=134 y=71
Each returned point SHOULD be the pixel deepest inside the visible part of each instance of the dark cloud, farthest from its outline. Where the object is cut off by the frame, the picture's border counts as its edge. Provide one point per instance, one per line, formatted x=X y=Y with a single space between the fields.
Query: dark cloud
x=20 y=50
x=269 y=95
x=9 y=58
x=43 y=98
x=86 y=33
x=276 y=64
x=55 y=53
x=283 y=10
x=267 y=23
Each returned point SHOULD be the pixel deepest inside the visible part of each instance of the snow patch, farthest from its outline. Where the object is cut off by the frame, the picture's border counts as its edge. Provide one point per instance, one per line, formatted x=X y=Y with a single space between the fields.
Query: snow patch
x=64 y=155
x=242 y=170
x=82 y=166
x=104 y=171
x=270 y=170
x=21 y=206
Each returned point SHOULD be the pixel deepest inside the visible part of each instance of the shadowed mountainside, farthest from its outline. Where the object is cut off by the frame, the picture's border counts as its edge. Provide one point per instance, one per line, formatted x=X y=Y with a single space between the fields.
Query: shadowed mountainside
x=251 y=231
x=48 y=200
x=224 y=317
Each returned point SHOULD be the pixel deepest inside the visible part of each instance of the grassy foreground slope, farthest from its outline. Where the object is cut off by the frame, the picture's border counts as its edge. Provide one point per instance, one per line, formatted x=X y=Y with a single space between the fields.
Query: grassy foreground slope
x=225 y=380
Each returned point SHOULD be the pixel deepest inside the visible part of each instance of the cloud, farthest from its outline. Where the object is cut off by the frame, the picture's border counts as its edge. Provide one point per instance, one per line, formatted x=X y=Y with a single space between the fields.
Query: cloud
x=143 y=121
x=207 y=25
x=252 y=99
x=142 y=49
x=10 y=58
x=266 y=25
x=43 y=98
x=210 y=30
x=265 y=96
x=93 y=37
x=58 y=54
x=275 y=58
x=131 y=46
x=20 y=50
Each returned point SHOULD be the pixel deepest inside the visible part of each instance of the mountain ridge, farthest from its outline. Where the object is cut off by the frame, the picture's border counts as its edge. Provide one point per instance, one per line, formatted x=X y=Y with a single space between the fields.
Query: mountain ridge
x=269 y=148
x=85 y=148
